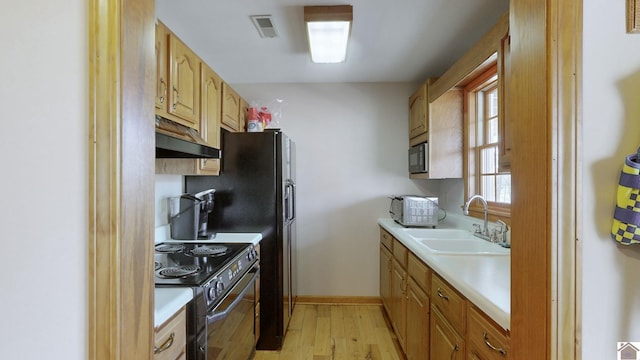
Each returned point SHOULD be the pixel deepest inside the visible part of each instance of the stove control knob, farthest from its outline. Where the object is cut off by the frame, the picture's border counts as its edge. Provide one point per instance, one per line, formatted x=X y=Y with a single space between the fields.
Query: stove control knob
x=219 y=288
x=211 y=293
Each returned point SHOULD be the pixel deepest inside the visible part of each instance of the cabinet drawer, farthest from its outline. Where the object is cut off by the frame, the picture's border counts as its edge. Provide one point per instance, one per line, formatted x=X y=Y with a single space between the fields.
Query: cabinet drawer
x=451 y=303
x=170 y=338
x=386 y=238
x=419 y=272
x=489 y=341
x=400 y=252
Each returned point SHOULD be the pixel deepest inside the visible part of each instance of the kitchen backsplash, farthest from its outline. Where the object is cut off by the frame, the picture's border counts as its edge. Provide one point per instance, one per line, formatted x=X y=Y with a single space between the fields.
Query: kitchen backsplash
x=166 y=186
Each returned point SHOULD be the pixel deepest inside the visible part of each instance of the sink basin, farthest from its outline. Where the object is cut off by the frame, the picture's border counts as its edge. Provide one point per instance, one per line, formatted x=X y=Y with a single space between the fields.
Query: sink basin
x=438 y=233
x=468 y=246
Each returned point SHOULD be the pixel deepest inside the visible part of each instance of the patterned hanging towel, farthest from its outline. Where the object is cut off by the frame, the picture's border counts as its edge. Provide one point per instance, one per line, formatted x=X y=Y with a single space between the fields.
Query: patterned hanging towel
x=626 y=218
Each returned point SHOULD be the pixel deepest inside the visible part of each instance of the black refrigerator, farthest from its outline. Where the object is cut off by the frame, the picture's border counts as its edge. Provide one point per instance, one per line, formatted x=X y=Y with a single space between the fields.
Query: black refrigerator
x=256 y=192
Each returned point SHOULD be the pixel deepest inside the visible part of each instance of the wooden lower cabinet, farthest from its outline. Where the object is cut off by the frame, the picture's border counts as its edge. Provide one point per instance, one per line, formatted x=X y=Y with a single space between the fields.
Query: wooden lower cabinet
x=170 y=338
x=430 y=318
x=445 y=343
x=487 y=341
x=417 y=322
x=385 y=276
x=399 y=303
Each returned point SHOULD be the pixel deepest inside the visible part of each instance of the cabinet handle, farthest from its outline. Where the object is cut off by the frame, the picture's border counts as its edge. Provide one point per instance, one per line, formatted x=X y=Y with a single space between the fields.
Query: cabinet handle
x=167 y=344
x=453 y=351
x=175 y=99
x=164 y=90
x=441 y=295
x=485 y=337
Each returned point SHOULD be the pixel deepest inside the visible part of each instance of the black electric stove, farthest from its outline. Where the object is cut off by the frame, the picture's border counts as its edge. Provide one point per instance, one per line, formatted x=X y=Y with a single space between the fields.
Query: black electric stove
x=221 y=276
x=193 y=264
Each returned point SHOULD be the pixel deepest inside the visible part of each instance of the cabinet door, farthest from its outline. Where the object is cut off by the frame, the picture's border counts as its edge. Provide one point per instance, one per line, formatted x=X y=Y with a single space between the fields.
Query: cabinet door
x=184 y=83
x=445 y=343
x=385 y=277
x=210 y=110
x=230 y=108
x=417 y=322
x=162 y=69
x=399 y=302
x=242 y=115
x=504 y=77
x=418 y=120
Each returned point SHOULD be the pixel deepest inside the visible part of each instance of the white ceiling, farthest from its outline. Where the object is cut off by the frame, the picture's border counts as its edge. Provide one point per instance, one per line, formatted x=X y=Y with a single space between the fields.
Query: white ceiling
x=391 y=40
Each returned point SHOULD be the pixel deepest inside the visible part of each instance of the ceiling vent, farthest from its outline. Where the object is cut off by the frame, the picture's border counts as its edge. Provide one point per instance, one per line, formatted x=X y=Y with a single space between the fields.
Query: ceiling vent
x=264 y=24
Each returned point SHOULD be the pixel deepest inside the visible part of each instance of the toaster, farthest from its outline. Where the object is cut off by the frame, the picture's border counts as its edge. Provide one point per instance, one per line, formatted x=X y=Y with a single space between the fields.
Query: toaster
x=414 y=211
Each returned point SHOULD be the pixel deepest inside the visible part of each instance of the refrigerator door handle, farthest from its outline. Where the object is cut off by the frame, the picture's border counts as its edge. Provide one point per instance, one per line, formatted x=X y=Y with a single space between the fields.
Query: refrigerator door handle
x=292 y=200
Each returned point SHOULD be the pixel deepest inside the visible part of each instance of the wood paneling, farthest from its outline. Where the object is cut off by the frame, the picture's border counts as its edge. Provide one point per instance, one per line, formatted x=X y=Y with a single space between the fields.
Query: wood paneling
x=121 y=152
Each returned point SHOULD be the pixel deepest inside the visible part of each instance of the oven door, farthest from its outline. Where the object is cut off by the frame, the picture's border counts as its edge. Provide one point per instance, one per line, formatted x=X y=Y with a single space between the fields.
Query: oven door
x=230 y=327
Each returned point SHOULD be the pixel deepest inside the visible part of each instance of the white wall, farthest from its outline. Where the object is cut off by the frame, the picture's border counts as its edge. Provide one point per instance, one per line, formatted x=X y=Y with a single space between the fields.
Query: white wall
x=43 y=149
x=351 y=153
x=611 y=131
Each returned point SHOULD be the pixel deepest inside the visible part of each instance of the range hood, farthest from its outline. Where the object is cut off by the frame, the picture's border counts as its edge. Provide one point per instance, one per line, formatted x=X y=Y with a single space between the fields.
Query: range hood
x=175 y=141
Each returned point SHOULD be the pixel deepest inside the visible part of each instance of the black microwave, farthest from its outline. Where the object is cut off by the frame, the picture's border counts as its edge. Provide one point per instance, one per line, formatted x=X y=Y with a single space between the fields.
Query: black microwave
x=419 y=159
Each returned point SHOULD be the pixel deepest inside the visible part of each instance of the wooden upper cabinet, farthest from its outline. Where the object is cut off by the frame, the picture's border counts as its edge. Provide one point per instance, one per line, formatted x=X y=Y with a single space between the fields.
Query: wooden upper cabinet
x=418 y=115
x=439 y=124
x=162 y=69
x=242 y=116
x=504 y=76
x=210 y=113
x=230 y=108
x=184 y=83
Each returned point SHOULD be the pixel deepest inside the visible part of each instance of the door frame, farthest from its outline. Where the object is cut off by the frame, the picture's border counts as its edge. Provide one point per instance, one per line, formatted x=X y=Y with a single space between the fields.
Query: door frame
x=121 y=172
x=545 y=318
x=546 y=55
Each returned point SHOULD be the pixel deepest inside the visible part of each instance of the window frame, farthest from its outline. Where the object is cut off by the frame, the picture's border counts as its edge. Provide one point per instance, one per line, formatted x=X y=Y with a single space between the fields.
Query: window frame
x=496 y=210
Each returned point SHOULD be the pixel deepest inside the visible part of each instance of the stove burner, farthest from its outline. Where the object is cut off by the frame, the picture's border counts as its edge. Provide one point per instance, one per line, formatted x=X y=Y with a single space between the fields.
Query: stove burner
x=169 y=248
x=179 y=271
x=208 y=250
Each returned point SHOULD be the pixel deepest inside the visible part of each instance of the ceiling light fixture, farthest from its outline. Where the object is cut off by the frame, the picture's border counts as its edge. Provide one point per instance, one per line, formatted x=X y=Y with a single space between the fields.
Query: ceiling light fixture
x=328 y=29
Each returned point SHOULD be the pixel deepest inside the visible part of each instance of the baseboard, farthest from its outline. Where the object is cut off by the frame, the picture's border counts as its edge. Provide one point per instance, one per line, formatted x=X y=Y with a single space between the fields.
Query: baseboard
x=339 y=300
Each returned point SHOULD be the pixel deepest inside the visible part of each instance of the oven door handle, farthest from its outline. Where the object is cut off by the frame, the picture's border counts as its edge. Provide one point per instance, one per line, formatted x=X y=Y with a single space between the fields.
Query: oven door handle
x=221 y=315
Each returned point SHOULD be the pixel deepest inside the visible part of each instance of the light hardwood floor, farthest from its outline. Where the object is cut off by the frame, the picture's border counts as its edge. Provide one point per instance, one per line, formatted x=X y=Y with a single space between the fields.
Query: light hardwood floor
x=335 y=332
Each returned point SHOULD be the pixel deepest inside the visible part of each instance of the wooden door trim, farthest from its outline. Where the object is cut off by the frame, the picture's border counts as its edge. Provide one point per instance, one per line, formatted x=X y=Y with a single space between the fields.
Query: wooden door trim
x=546 y=39
x=121 y=147
x=565 y=43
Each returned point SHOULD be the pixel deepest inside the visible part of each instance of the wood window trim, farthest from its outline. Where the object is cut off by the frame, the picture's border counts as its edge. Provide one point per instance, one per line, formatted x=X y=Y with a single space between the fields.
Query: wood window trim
x=495 y=210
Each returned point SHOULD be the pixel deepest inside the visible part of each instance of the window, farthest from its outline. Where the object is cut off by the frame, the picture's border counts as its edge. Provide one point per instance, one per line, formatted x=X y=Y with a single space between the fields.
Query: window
x=484 y=175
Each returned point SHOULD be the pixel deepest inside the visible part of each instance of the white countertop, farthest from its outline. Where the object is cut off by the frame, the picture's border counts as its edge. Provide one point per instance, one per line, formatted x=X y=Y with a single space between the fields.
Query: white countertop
x=253 y=238
x=168 y=300
x=483 y=279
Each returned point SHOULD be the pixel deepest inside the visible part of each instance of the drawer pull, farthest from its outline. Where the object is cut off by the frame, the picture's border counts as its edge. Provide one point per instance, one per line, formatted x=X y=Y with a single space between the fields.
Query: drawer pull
x=167 y=344
x=441 y=295
x=453 y=351
x=485 y=337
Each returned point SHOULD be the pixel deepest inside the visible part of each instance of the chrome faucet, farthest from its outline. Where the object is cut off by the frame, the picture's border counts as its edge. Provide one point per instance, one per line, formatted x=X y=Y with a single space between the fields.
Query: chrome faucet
x=484 y=233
